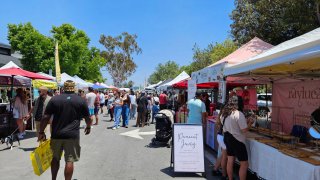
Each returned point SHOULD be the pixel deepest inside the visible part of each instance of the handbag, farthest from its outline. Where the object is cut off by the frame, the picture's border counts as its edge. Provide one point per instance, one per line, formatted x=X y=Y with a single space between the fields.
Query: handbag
x=41 y=157
x=221 y=128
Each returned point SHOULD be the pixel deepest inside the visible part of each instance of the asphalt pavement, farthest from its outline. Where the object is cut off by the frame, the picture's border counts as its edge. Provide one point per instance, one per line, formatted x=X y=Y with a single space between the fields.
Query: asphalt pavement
x=105 y=155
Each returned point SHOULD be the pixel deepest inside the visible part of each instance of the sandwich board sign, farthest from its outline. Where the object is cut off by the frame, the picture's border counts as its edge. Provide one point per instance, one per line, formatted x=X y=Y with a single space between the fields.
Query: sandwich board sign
x=188 y=153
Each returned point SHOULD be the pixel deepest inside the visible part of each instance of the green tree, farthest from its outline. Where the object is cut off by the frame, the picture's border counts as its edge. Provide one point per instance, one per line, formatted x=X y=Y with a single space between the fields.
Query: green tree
x=73 y=47
x=118 y=55
x=128 y=84
x=168 y=70
x=90 y=69
x=207 y=56
x=273 y=21
x=38 y=50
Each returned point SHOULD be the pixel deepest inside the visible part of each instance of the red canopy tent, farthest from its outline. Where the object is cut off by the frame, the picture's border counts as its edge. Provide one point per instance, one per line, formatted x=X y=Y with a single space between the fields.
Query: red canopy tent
x=13 y=71
x=231 y=81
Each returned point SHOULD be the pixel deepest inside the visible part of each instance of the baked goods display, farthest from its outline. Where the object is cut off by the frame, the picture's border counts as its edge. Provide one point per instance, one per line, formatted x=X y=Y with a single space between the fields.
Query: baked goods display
x=294 y=149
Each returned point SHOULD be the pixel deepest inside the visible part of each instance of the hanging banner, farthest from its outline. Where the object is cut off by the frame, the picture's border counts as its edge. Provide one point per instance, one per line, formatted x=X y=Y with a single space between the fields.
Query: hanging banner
x=293 y=103
x=57 y=63
x=222 y=91
x=192 y=89
x=188 y=150
x=209 y=74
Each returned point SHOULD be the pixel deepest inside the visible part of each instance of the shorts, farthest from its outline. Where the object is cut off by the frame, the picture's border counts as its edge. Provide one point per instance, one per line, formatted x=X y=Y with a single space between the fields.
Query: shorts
x=91 y=111
x=96 y=110
x=220 y=142
x=71 y=148
x=235 y=147
x=102 y=104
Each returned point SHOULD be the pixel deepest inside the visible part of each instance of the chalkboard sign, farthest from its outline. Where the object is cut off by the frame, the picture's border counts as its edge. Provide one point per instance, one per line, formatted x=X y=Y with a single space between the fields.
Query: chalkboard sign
x=188 y=154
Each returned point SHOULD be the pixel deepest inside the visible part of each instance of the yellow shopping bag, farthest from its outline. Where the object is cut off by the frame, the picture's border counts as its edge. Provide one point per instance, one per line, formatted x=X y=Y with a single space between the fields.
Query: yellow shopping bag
x=41 y=157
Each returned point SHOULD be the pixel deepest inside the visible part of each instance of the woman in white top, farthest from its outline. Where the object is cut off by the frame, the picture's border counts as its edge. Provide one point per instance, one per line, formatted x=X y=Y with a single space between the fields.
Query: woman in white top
x=133 y=105
x=118 y=102
x=235 y=126
x=20 y=111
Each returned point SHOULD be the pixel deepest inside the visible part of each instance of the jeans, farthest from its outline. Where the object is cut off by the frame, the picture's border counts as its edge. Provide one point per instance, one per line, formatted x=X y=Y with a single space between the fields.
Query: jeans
x=125 y=115
x=133 y=111
x=117 y=115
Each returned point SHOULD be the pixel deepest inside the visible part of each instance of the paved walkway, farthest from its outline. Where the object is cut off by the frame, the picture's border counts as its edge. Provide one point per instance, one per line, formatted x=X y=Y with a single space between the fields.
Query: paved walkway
x=105 y=154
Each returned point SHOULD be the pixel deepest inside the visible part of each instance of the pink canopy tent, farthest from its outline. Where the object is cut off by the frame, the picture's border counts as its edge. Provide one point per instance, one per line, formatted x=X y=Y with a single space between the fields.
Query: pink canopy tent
x=252 y=48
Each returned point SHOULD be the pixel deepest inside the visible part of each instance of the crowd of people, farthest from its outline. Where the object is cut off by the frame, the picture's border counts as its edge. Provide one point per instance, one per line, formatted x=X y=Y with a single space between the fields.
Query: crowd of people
x=122 y=106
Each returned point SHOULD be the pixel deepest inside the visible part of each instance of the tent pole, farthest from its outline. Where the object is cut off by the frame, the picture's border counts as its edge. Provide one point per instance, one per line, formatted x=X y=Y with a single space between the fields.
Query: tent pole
x=11 y=95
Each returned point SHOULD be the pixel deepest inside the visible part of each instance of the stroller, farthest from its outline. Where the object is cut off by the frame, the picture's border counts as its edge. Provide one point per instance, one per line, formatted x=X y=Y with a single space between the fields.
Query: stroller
x=164 y=121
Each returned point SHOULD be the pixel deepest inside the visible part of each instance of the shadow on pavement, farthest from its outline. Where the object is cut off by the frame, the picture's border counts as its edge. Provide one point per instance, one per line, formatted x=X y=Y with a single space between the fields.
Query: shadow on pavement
x=169 y=171
x=150 y=145
x=29 y=135
x=28 y=149
x=7 y=148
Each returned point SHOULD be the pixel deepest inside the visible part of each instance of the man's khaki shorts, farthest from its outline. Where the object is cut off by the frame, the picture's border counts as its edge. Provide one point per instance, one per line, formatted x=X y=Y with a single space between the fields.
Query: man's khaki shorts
x=71 y=148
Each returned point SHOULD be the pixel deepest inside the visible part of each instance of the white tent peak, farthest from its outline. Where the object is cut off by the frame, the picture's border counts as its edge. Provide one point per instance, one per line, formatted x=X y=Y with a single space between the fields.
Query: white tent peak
x=182 y=76
x=10 y=65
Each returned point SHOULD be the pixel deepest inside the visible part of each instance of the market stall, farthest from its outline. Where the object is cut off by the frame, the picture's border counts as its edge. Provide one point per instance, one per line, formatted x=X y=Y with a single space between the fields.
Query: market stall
x=214 y=76
x=6 y=123
x=293 y=68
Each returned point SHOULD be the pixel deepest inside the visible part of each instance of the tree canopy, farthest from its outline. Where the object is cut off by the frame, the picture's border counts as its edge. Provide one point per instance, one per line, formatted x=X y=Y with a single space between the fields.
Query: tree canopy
x=118 y=56
x=209 y=55
x=76 y=58
x=168 y=70
x=273 y=21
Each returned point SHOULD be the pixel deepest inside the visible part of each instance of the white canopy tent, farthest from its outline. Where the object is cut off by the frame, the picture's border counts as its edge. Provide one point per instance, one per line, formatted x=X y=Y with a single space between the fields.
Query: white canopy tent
x=79 y=84
x=284 y=60
x=152 y=86
x=47 y=75
x=9 y=65
x=182 y=76
x=81 y=81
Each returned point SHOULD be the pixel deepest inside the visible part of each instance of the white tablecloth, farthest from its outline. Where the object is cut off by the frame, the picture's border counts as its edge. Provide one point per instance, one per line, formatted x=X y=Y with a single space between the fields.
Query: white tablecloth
x=271 y=164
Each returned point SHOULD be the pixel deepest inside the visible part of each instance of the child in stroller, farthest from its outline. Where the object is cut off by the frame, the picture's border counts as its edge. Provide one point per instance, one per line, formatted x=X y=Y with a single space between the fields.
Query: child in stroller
x=164 y=121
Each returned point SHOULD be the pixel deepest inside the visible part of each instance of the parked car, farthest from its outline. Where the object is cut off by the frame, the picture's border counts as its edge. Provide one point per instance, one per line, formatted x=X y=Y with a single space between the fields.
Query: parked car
x=264 y=102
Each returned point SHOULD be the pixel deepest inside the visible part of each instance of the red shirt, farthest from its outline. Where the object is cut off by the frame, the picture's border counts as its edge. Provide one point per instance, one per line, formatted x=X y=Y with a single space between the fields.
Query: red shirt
x=163 y=99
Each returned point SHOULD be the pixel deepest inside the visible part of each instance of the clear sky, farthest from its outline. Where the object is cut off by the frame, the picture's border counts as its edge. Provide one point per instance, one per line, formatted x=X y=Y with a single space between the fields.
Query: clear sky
x=166 y=29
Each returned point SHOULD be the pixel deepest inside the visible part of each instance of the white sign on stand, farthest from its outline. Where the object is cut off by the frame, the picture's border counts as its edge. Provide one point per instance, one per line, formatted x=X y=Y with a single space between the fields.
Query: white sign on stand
x=192 y=89
x=188 y=154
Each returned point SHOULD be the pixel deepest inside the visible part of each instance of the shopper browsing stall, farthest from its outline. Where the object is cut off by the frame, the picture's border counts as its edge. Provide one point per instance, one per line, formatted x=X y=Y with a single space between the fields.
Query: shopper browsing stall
x=234 y=127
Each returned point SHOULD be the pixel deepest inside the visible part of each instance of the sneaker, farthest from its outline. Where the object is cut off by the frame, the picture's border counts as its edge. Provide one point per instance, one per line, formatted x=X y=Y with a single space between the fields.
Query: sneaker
x=118 y=127
x=216 y=173
x=126 y=126
x=114 y=128
x=20 y=136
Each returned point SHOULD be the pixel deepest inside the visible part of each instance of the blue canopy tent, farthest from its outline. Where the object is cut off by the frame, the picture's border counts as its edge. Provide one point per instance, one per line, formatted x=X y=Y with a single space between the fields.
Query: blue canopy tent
x=95 y=86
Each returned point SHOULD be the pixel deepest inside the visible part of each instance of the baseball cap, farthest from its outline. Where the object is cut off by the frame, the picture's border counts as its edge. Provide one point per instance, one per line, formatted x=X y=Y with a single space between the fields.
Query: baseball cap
x=69 y=86
x=43 y=88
